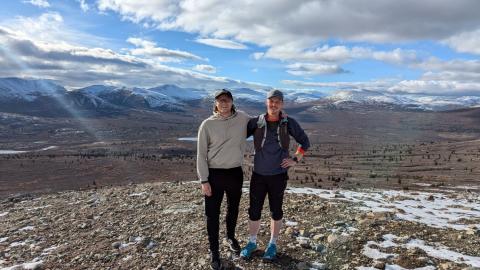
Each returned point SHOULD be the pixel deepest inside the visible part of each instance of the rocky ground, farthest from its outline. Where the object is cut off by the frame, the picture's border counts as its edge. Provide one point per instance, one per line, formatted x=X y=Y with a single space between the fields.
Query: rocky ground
x=161 y=226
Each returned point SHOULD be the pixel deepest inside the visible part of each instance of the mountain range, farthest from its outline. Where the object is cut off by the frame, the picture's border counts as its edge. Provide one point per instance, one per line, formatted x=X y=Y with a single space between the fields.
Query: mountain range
x=48 y=98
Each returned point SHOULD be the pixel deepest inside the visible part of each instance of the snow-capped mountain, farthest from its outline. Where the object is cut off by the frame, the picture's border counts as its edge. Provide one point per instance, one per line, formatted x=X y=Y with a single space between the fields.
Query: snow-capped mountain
x=249 y=95
x=366 y=96
x=20 y=89
x=180 y=93
x=129 y=97
x=345 y=98
x=304 y=95
x=46 y=96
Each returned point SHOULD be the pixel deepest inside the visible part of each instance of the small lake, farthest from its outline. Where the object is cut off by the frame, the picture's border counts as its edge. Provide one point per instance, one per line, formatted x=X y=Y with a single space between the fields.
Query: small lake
x=13 y=152
x=8 y=152
x=188 y=139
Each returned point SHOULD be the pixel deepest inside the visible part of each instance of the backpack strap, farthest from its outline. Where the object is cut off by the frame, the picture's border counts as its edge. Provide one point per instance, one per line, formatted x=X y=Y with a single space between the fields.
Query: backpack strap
x=282 y=132
x=260 y=133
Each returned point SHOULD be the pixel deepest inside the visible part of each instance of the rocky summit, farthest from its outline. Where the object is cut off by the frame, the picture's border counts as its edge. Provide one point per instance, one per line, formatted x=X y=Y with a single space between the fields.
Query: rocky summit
x=162 y=226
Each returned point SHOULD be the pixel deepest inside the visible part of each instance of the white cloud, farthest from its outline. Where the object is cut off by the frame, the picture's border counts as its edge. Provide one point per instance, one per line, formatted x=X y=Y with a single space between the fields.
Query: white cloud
x=38 y=3
x=435 y=87
x=451 y=76
x=205 y=68
x=257 y=55
x=222 y=43
x=83 y=5
x=465 y=42
x=416 y=87
x=338 y=54
x=49 y=27
x=137 y=11
x=309 y=69
x=30 y=52
x=276 y=22
x=375 y=85
x=148 y=48
x=455 y=65
x=291 y=31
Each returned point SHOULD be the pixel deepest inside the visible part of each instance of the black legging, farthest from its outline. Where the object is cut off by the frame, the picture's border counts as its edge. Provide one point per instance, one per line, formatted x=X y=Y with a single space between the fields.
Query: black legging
x=222 y=181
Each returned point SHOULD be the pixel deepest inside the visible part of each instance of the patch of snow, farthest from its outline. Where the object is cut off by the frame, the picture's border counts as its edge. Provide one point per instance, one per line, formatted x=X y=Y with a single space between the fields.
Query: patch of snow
x=38 y=207
x=374 y=253
x=437 y=251
x=49 y=250
x=48 y=148
x=137 y=194
x=397 y=267
x=422 y=184
x=124 y=245
x=439 y=213
x=26 y=228
x=35 y=264
x=291 y=223
x=17 y=243
x=465 y=187
x=3 y=214
x=442 y=252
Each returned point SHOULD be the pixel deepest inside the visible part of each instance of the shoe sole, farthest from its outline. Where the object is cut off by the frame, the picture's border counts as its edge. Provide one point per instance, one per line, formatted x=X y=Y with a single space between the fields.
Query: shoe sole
x=268 y=260
x=246 y=258
x=237 y=252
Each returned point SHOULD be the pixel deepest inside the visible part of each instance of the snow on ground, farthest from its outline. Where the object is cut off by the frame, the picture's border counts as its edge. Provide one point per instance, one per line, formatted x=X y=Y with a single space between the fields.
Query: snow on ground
x=38 y=207
x=3 y=214
x=434 y=250
x=49 y=250
x=441 y=252
x=26 y=228
x=422 y=184
x=137 y=194
x=433 y=209
x=48 y=148
x=18 y=243
x=35 y=264
x=291 y=223
x=375 y=253
x=396 y=267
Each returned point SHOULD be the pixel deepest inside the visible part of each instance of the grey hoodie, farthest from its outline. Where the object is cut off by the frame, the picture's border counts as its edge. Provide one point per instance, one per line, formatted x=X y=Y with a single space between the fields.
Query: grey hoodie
x=221 y=143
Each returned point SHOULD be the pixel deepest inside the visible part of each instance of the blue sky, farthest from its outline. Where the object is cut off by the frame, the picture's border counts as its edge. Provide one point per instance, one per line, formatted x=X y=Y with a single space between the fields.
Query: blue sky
x=405 y=47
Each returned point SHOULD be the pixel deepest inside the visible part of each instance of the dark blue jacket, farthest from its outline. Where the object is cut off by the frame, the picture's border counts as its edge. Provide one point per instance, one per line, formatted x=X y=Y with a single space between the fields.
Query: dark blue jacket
x=268 y=159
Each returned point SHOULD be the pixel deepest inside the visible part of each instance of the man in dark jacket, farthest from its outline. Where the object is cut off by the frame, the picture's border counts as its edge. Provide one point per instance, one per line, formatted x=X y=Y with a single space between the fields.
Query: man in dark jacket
x=272 y=133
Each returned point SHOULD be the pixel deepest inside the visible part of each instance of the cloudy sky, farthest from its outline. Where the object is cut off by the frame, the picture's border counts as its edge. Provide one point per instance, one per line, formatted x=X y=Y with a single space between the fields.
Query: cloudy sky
x=416 y=47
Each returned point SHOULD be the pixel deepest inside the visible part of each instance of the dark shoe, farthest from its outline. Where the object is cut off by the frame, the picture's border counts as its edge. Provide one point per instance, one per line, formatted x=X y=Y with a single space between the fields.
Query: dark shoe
x=215 y=263
x=233 y=245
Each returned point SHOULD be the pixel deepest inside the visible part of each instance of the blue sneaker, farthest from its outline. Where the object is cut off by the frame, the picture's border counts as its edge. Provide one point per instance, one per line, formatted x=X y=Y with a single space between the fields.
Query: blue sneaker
x=248 y=250
x=271 y=252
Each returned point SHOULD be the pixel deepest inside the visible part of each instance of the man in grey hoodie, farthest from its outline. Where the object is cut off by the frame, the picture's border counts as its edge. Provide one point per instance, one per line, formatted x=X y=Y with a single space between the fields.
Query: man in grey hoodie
x=220 y=149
